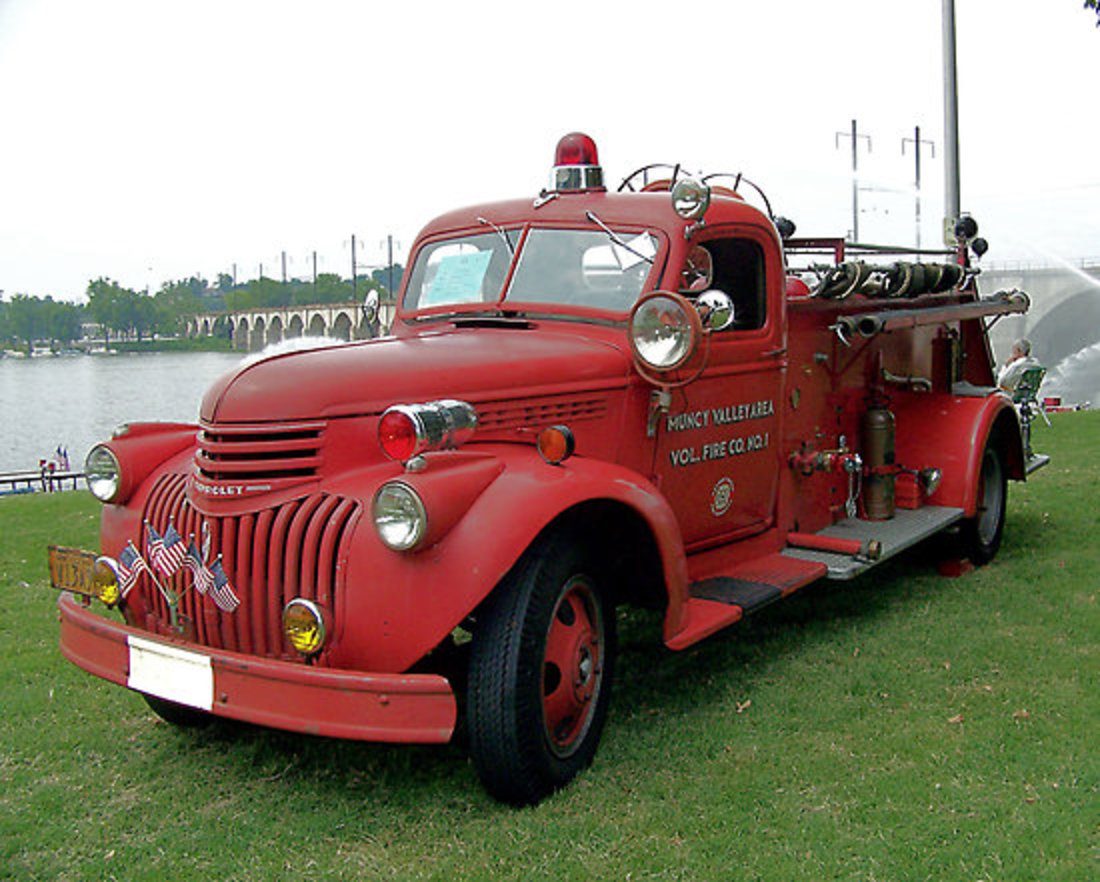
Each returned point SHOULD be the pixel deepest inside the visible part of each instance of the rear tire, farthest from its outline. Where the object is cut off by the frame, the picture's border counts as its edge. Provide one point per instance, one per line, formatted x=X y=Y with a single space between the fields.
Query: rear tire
x=540 y=674
x=981 y=534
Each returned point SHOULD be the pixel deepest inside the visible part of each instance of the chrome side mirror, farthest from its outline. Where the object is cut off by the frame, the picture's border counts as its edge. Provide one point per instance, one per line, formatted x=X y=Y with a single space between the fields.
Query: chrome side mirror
x=370 y=307
x=715 y=309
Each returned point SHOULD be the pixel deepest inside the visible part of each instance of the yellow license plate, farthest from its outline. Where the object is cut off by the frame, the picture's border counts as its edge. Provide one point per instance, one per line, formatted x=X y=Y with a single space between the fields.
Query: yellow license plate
x=72 y=569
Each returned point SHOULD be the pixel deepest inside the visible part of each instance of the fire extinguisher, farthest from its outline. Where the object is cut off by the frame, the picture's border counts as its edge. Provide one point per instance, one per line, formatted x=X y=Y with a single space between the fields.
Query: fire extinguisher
x=877 y=432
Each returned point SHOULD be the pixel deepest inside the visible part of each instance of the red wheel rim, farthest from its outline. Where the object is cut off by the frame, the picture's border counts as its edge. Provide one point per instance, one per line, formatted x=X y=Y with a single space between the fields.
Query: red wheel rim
x=572 y=667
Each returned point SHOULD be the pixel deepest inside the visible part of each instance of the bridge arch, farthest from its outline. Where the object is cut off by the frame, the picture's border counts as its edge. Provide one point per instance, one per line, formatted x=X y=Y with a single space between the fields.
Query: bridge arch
x=275 y=330
x=341 y=326
x=241 y=333
x=256 y=339
x=1068 y=327
x=295 y=326
x=317 y=325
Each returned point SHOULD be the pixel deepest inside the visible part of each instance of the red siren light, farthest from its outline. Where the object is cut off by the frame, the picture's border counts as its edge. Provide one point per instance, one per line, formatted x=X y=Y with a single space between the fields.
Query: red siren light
x=576 y=164
x=576 y=148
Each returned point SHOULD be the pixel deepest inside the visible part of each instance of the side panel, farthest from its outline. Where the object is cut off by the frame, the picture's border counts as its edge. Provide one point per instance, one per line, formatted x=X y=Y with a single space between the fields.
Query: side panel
x=950 y=433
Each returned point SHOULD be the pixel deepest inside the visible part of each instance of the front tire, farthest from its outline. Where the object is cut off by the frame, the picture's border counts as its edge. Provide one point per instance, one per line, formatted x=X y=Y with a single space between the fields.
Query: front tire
x=540 y=674
x=981 y=535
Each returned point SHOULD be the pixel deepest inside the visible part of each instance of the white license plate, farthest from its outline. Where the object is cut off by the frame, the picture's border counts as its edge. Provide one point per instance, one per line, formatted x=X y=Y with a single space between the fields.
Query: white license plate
x=171 y=673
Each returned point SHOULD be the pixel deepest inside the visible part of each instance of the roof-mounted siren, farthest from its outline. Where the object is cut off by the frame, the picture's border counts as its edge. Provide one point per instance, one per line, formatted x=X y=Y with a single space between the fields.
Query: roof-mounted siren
x=576 y=165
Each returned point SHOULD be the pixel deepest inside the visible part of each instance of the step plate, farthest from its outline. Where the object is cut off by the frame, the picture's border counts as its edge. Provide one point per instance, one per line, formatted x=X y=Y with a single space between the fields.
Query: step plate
x=905 y=529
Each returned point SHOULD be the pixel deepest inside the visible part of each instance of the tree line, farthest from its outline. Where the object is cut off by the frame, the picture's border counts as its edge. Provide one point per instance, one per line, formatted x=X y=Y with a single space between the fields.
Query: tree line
x=123 y=313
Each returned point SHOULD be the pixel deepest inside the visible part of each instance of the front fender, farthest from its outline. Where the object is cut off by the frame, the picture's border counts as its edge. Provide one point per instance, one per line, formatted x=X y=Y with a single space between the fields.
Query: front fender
x=399 y=605
x=950 y=433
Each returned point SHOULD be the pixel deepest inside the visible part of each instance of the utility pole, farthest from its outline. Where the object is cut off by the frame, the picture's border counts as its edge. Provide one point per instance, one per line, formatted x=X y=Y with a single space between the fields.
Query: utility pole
x=855 y=136
x=389 y=263
x=951 y=202
x=354 y=281
x=284 y=267
x=314 y=275
x=916 y=141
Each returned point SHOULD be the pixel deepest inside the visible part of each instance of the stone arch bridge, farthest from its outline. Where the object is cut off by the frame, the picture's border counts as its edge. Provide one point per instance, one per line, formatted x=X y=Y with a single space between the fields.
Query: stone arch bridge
x=253 y=329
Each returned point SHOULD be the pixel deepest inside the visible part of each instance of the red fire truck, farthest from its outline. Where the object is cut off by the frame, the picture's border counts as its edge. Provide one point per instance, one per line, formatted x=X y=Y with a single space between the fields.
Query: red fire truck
x=655 y=396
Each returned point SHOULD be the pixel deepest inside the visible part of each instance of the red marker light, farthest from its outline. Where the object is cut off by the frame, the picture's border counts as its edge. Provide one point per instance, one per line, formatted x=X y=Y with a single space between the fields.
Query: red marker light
x=407 y=430
x=397 y=435
x=576 y=148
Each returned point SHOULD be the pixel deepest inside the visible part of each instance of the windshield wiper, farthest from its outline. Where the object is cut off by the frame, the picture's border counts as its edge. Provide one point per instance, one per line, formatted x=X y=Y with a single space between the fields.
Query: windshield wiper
x=614 y=237
x=503 y=235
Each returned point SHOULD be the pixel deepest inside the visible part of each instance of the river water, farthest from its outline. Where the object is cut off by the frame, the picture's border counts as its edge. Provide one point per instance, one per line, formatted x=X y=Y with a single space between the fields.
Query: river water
x=77 y=401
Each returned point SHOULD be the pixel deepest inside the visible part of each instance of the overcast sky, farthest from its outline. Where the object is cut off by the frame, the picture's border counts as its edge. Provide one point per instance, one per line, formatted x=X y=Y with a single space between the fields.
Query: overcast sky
x=148 y=141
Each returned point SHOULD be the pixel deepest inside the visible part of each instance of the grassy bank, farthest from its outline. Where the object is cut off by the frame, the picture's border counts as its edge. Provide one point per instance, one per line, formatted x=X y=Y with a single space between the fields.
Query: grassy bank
x=182 y=344
x=906 y=726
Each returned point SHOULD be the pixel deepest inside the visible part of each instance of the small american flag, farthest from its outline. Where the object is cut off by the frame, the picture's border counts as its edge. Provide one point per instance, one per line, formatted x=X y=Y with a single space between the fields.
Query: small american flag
x=204 y=579
x=130 y=566
x=167 y=552
x=222 y=592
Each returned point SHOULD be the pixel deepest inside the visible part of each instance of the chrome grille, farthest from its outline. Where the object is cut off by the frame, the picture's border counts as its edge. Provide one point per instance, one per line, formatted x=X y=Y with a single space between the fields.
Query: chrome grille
x=270 y=556
x=261 y=452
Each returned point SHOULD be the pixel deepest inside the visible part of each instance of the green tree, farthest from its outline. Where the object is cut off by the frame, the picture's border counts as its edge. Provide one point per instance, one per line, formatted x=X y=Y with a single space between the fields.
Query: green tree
x=330 y=288
x=122 y=310
x=62 y=321
x=25 y=320
x=177 y=301
x=105 y=305
x=383 y=276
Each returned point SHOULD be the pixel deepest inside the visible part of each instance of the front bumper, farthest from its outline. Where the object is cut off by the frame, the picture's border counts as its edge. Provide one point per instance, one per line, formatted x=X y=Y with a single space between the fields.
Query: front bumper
x=414 y=708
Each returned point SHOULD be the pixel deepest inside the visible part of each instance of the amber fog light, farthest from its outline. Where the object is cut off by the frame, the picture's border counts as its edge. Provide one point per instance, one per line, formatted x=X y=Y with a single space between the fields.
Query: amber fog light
x=304 y=626
x=106 y=581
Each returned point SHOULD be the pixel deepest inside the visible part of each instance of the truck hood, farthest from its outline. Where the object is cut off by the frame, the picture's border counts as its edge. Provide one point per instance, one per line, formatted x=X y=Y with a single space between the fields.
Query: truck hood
x=477 y=364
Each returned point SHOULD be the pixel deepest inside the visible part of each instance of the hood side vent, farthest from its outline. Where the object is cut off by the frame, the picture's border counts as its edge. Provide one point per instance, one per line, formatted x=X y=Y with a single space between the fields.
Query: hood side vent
x=537 y=413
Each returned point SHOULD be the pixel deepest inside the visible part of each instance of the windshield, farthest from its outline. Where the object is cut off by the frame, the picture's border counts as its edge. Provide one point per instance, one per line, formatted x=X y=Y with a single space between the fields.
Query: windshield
x=568 y=267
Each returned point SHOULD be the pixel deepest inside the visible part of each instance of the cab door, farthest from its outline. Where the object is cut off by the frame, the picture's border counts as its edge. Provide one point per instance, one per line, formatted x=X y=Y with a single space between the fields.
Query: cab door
x=717 y=456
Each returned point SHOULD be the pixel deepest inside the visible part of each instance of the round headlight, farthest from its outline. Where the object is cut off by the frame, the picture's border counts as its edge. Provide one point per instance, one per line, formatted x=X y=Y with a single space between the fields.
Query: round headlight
x=304 y=626
x=102 y=472
x=399 y=516
x=664 y=330
x=690 y=198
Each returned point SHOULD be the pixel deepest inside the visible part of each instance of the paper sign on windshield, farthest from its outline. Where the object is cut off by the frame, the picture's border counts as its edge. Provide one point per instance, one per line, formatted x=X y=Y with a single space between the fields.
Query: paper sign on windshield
x=458 y=279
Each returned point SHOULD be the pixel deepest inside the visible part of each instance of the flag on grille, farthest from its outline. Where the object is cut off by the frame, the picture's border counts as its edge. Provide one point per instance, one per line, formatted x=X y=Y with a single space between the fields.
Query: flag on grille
x=168 y=551
x=130 y=566
x=204 y=579
x=154 y=544
x=222 y=592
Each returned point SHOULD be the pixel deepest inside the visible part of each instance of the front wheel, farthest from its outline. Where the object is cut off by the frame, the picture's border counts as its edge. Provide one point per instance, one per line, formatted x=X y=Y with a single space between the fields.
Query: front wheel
x=540 y=674
x=981 y=535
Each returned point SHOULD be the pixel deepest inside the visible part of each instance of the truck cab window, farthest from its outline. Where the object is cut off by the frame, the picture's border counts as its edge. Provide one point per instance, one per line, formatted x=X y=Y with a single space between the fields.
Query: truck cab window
x=737 y=268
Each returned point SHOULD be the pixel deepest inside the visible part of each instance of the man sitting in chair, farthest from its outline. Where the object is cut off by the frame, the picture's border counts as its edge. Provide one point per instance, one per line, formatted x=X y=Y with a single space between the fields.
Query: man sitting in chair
x=1012 y=371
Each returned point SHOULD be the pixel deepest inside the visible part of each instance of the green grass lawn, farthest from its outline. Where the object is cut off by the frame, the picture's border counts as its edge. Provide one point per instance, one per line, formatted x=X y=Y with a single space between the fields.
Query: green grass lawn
x=905 y=726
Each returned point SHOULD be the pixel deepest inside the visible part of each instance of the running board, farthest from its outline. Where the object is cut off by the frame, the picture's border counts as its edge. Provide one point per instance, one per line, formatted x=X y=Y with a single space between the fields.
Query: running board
x=906 y=528
x=719 y=601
